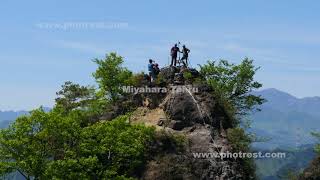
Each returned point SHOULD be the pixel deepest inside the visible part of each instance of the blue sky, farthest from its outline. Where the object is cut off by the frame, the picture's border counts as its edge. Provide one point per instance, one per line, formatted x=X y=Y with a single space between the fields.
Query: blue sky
x=283 y=37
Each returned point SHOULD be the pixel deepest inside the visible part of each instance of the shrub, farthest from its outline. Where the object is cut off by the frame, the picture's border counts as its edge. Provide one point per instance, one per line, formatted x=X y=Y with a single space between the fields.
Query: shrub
x=240 y=142
x=111 y=76
x=55 y=146
x=234 y=82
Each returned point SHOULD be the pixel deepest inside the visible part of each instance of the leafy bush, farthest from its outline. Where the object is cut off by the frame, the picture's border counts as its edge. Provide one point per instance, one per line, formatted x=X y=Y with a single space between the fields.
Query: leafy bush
x=170 y=142
x=123 y=144
x=54 y=146
x=24 y=146
x=137 y=80
x=238 y=139
x=234 y=82
x=187 y=75
x=160 y=81
x=111 y=76
x=240 y=142
x=73 y=96
x=317 y=146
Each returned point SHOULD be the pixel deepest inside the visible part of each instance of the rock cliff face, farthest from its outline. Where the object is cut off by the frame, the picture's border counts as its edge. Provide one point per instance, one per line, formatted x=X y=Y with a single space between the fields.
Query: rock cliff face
x=312 y=172
x=189 y=121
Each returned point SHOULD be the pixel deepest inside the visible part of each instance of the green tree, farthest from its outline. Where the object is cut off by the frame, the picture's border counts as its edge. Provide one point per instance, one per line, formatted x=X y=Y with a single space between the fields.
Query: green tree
x=73 y=96
x=316 y=135
x=234 y=83
x=106 y=149
x=57 y=146
x=240 y=142
x=111 y=76
x=23 y=147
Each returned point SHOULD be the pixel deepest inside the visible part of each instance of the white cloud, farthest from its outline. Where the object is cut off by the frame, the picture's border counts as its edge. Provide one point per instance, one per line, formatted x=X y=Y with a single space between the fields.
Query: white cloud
x=84 y=47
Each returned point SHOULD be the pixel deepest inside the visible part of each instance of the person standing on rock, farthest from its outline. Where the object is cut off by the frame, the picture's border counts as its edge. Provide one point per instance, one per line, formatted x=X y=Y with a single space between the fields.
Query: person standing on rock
x=174 y=53
x=185 y=55
x=151 y=70
x=156 y=69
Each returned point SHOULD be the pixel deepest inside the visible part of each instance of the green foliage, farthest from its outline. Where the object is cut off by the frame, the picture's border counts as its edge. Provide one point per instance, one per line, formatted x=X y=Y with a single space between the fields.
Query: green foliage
x=137 y=80
x=230 y=119
x=316 y=135
x=106 y=149
x=73 y=96
x=123 y=144
x=240 y=142
x=191 y=79
x=161 y=81
x=317 y=148
x=111 y=76
x=24 y=147
x=239 y=139
x=291 y=166
x=55 y=146
x=171 y=141
x=187 y=75
x=291 y=175
x=234 y=83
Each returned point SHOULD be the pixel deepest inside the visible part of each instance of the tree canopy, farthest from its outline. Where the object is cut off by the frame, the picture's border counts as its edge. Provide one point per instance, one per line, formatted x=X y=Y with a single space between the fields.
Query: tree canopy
x=111 y=76
x=53 y=146
x=234 y=82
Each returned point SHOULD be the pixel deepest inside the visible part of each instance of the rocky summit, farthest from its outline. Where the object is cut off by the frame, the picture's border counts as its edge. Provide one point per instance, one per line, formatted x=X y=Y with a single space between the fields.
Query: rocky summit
x=194 y=117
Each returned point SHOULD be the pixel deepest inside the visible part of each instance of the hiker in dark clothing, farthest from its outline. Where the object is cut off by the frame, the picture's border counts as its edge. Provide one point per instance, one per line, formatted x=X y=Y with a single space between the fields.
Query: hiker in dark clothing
x=185 y=55
x=151 y=70
x=174 y=53
x=156 y=69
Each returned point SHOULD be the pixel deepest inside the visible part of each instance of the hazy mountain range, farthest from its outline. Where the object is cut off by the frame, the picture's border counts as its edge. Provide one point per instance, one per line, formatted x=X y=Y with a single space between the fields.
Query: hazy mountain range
x=287 y=120
x=8 y=116
x=279 y=168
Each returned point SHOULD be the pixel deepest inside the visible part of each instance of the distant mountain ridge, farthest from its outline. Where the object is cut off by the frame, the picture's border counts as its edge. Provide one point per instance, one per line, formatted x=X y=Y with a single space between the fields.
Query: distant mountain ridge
x=10 y=115
x=6 y=117
x=288 y=120
x=277 y=169
x=286 y=102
